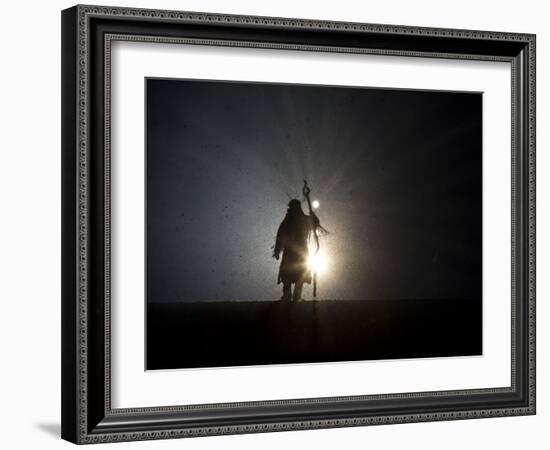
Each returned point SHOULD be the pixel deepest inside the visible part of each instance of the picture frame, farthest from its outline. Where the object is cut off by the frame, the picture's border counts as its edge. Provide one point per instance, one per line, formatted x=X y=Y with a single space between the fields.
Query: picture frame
x=88 y=415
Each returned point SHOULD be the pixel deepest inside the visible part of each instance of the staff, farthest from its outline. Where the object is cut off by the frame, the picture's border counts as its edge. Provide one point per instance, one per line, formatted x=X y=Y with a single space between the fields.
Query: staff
x=316 y=225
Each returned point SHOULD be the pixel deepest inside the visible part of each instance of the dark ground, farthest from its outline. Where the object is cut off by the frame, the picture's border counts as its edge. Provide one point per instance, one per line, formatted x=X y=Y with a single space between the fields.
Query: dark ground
x=186 y=335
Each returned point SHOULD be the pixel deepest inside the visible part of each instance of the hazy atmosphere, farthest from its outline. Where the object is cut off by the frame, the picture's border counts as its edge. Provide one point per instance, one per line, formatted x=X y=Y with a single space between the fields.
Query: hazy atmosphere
x=397 y=175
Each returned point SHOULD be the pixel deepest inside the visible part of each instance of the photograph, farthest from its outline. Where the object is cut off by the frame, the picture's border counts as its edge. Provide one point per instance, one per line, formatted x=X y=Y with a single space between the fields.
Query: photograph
x=301 y=223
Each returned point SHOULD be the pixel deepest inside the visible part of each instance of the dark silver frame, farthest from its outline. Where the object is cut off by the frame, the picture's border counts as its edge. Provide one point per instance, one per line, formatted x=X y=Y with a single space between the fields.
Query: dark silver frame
x=87 y=34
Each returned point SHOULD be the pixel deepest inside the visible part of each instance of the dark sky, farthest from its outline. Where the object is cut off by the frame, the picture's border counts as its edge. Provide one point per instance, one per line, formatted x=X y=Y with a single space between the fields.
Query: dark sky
x=397 y=174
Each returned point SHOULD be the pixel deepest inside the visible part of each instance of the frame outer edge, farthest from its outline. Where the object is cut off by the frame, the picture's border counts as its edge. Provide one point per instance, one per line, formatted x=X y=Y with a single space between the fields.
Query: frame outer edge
x=296 y=23
x=69 y=316
x=531 y=112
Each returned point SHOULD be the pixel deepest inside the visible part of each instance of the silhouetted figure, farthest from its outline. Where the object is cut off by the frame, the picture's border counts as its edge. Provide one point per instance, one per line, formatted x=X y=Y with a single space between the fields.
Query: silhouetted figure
x=292 y=239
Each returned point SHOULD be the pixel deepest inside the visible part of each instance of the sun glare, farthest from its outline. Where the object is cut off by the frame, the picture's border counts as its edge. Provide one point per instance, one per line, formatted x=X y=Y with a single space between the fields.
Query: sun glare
x=317 y=262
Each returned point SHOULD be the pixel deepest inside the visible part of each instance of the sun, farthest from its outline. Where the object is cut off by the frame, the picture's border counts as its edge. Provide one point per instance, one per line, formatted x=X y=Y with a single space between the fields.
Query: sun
x=317 y=262
x=315 y=204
